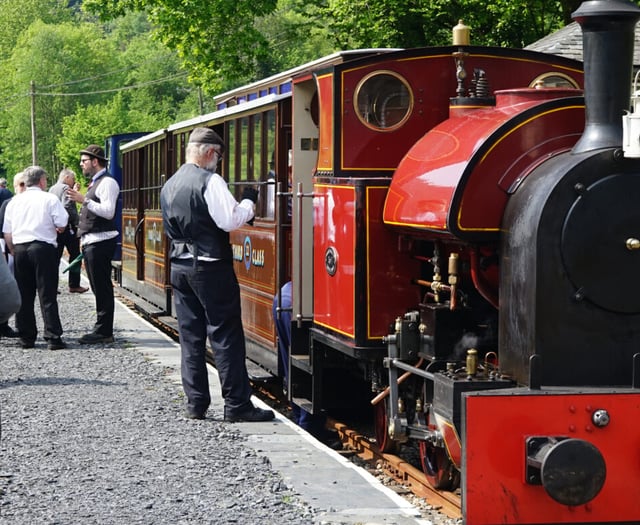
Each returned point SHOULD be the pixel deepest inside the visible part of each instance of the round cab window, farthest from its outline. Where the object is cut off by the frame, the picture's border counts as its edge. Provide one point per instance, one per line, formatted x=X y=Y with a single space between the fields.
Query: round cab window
x=383 y=101
x=554 y=80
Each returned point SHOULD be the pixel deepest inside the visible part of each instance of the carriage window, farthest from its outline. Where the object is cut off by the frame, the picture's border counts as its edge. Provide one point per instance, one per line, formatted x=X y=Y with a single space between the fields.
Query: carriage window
x=554 y=80
x=258 y=167
x=242 y=160
x=231 y=152
x=383 y=101
x=269 y=192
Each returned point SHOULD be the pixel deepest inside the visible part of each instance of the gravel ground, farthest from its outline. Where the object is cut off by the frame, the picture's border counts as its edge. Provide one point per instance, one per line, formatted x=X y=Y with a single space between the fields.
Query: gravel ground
x=95 y=435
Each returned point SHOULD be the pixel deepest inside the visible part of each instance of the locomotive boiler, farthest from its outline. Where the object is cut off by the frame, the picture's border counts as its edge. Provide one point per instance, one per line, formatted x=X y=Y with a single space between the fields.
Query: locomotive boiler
x=532 y=405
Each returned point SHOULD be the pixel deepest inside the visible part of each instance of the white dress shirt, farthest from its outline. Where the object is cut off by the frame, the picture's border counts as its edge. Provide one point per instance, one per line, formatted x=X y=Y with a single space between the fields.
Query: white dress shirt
x=34 y=215
x=225 y=211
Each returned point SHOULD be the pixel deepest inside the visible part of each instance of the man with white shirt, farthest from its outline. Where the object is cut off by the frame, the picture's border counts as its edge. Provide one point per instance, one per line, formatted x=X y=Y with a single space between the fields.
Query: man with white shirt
x=32 y=222
x=198 y=212
x=98 y=237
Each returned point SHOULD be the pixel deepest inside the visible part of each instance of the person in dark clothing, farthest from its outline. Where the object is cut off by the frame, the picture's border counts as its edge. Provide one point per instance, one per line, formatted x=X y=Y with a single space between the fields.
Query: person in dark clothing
x=98 y=237
x=69 y=237
x=198 y=212
x=315 y=424
x=5 y=193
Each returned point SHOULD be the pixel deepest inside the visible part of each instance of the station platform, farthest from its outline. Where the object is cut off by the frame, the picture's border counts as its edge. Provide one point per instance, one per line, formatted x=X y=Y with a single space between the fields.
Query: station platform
x=339 y=491
x=342 y=492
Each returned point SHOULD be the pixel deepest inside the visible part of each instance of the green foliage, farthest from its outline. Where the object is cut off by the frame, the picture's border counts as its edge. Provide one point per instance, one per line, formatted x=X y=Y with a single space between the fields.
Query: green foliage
x=415 y=23
x=296 y=34
x=216 y=40
x=18 y=15
x=44 y=55
x=90 y=81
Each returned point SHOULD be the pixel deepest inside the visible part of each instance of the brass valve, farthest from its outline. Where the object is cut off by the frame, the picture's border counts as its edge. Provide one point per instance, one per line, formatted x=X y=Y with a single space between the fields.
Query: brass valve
x=472 y=362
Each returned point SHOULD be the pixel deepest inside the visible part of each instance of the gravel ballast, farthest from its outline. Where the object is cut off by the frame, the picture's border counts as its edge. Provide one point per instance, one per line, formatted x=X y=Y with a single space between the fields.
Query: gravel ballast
x=95 y=435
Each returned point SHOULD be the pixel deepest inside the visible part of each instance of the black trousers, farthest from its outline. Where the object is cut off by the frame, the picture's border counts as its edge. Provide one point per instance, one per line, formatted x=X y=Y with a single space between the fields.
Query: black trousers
x=207 y=300
x=69 y=240
x=97 y=262
x=36 y=271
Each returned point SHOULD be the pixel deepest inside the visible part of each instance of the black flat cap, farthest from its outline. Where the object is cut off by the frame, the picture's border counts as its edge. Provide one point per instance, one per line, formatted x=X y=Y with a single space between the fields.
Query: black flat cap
x=94 y=150
x=205 y=136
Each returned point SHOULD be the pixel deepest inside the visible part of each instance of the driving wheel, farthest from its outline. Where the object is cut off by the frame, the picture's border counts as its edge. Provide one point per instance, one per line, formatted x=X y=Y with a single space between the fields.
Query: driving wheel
x=438 y=468
x=385 y=443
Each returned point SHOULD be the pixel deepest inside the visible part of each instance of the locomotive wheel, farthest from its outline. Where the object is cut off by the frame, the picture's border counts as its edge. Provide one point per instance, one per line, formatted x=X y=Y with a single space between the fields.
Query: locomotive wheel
x=441 y=473
x=385 y=443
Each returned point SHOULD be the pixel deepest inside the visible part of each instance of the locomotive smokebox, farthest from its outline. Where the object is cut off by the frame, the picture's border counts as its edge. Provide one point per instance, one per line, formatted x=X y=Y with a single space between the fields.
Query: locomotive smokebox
x=569 y=284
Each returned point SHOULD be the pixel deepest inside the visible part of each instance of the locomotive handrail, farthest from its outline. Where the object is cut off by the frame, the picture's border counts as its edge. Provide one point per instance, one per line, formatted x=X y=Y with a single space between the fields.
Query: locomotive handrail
x=385 y=393
x=252 y=183
x=300 y=195
x=279 y=284
x=135 y=236
x=398 y=363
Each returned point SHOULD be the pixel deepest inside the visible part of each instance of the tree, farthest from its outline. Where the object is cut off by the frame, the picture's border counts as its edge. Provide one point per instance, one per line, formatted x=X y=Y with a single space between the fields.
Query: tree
x=415 y=23
x=45 y=54
x=216 y=40
x=91 y=81
x=296 y=33
x=17 y=15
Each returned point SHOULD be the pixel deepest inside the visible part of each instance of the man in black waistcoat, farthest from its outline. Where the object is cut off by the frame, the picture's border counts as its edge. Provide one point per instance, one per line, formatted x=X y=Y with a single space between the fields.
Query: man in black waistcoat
x=98 y=236
x=198 y=212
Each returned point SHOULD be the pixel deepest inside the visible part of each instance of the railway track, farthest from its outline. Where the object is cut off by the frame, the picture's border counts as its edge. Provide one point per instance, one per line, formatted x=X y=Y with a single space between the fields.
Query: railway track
x=400 y=470
x=394 y=467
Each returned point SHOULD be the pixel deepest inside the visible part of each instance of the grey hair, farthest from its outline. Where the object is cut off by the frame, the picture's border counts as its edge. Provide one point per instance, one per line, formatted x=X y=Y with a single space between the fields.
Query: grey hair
x=66 y=172
x=18 y=180
x=33 y=174
x=197 y=150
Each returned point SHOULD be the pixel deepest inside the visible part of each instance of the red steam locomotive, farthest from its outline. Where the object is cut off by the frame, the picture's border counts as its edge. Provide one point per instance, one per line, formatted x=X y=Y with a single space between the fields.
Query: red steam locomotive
x=447 y=217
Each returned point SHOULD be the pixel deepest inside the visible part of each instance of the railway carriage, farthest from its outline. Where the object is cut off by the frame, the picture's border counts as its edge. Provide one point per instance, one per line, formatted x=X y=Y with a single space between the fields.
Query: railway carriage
x=447 y=217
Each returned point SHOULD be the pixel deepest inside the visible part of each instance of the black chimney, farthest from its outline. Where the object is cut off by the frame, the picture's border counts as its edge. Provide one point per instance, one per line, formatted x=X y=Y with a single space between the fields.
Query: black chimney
x=607 y=42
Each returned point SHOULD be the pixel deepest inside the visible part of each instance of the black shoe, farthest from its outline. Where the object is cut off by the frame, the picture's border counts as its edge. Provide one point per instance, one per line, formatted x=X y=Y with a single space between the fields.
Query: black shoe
x=194 y=415
x=7 y=331
x=250 y=414
x=57 y=344
x=25 y=343
x=93 y=338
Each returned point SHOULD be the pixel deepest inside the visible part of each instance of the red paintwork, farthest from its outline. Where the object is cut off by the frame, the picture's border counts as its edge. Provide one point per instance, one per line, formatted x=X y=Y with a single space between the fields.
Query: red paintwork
x=494 y=490
x=357 y=302
x=457 y=178
x=389 y=288
x=431 y=76
x=334 y=225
